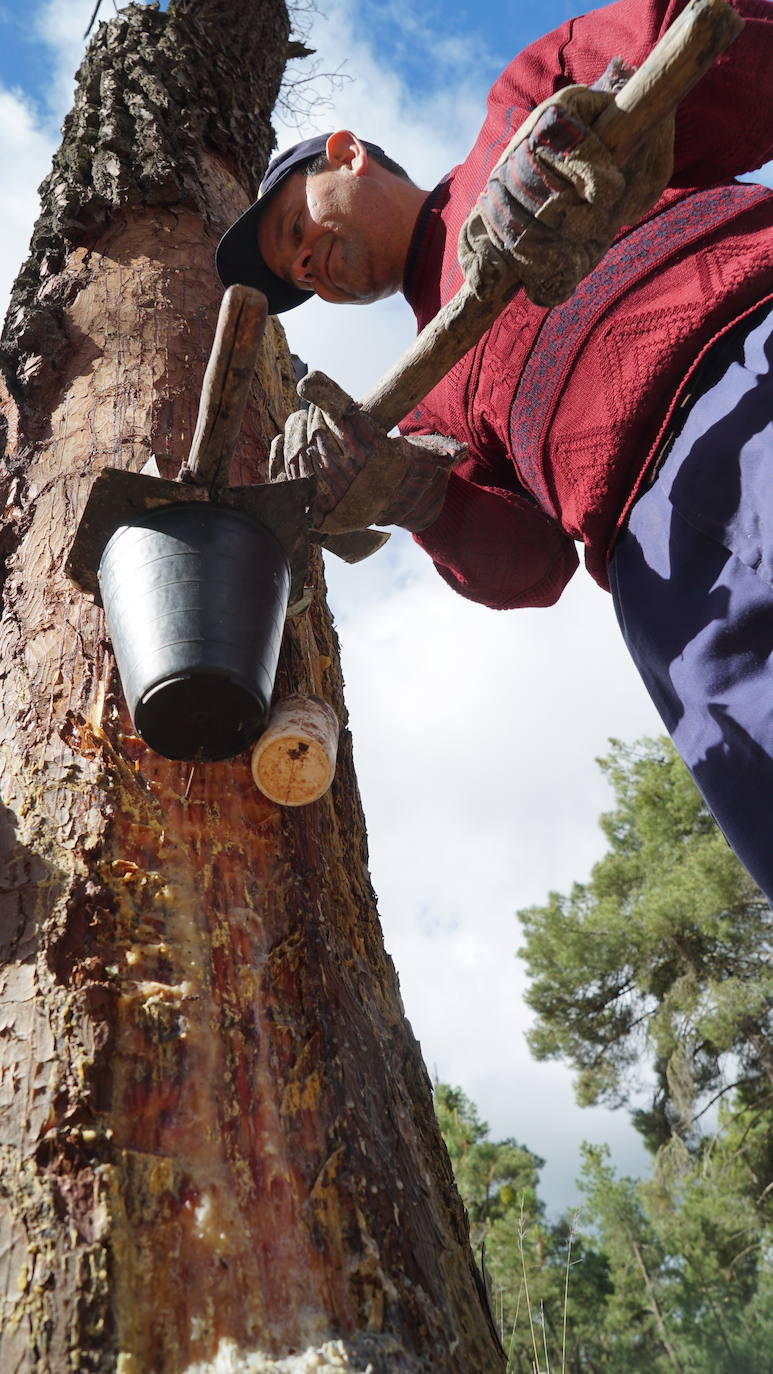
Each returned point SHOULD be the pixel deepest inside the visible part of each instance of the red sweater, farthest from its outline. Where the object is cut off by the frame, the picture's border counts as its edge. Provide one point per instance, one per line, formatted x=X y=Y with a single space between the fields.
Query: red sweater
x=562 y=409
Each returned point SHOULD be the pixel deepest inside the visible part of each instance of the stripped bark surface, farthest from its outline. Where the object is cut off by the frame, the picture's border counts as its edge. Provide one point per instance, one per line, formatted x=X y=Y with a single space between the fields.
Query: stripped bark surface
x=217 y=1141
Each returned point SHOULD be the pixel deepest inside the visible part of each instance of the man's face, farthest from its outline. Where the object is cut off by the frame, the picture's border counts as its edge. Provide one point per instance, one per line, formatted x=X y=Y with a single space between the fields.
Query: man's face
x=330 y=233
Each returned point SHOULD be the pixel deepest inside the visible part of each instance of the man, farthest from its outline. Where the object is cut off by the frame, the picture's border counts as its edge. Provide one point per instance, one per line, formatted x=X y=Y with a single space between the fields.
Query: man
x=633 y=413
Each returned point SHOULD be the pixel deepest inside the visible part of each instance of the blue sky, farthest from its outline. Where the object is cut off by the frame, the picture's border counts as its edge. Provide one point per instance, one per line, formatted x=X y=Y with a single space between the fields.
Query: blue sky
x=475 y=733
x=24 y=54
x=25 y=51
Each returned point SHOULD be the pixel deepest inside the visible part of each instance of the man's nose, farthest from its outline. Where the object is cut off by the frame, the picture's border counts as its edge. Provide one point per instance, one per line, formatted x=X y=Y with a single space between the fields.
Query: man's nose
x=301 y=265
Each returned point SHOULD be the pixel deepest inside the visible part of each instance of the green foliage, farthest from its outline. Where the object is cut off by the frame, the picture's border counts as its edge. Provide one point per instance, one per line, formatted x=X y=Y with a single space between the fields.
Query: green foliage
x=689 y=1253
x=492 y=1179
x=661 y=959
x=525 y=1257
x=668 y=1275
x=658 y=967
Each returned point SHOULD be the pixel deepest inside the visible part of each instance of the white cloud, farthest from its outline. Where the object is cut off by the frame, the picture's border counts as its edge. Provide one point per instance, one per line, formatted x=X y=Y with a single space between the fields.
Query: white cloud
x=61 y=25
x=475 y=738
x=29 y=132
x=26 y=149
x=425 y=132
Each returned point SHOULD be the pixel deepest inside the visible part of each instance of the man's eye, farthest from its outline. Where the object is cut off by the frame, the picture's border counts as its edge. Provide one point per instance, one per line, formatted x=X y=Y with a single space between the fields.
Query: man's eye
x=295 y=231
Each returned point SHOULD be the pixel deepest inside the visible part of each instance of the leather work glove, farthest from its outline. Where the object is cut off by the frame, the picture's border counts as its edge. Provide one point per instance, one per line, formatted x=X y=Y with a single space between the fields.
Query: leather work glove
x=364 y=477
x=558 y=181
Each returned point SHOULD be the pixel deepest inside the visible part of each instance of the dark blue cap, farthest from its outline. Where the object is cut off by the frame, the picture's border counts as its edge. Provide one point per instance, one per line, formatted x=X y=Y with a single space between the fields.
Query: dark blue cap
x=238 y=257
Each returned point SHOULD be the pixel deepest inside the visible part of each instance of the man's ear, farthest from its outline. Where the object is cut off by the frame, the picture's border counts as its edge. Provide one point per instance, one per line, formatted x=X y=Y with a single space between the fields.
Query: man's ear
x=344 y=149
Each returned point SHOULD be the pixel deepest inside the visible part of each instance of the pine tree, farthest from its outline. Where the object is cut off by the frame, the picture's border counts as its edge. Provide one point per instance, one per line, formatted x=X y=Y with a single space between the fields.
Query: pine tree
x=217 y=1141
x=661 y=958
x=657 y=972
x=547 y=1283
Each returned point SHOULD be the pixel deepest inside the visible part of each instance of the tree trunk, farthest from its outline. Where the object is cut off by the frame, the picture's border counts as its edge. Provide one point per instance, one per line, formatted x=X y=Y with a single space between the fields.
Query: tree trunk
x=760 y=1043
x=654 y=1307
x=216 y=1130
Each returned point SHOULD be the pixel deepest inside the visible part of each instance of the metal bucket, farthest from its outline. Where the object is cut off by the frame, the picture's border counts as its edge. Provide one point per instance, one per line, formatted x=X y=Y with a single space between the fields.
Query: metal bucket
x=195 y=597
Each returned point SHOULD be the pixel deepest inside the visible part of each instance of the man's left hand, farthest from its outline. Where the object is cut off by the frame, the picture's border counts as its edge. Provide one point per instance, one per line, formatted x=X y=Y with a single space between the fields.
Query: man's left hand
x=364 y=476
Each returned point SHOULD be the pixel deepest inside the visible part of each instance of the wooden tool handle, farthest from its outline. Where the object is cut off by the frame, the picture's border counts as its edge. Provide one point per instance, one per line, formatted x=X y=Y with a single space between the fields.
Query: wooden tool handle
x=231 y=367
x=685 y=52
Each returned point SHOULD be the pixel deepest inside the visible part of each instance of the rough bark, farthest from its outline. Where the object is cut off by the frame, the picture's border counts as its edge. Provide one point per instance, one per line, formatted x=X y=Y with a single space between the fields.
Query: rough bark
x=216 y=1130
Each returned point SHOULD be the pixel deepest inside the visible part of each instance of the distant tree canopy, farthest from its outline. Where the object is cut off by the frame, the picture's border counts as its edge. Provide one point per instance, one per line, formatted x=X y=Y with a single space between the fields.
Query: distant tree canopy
x=491 y=1177
x=524 y=1257
x=648 y=1276
x=663 y=958
x=656 y=973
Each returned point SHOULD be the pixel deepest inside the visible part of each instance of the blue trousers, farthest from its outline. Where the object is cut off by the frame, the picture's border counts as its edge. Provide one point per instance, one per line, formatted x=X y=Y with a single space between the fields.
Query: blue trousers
x=692 y=582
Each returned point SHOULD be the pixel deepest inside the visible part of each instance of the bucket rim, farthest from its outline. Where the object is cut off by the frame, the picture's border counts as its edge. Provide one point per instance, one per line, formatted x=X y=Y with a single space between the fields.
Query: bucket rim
x=148 y=519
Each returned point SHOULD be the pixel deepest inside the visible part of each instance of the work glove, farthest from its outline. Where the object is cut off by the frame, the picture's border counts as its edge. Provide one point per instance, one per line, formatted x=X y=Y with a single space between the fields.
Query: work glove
x=364 y=476
x=558 y=181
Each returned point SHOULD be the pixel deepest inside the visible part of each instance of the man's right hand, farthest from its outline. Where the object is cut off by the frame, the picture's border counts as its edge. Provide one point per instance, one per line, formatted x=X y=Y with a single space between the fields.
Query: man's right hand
x=557 y=198
x=364 y=476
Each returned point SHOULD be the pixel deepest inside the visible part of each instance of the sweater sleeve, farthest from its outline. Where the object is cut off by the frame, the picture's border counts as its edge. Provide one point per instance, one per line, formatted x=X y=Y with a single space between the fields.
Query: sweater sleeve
x=495 y=546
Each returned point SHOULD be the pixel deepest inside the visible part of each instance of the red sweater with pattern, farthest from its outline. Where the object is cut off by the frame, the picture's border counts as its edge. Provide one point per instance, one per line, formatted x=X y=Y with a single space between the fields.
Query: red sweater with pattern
x=563 y=409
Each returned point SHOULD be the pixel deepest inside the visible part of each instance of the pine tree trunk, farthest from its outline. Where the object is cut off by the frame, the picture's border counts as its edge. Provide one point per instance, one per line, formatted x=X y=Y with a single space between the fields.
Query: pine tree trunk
x=654 y=1307
x=216 y=1131
x=760 y=1043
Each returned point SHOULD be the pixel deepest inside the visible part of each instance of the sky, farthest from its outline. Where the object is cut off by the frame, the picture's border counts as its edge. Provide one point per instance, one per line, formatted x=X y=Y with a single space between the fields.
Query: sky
x=476 y=733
